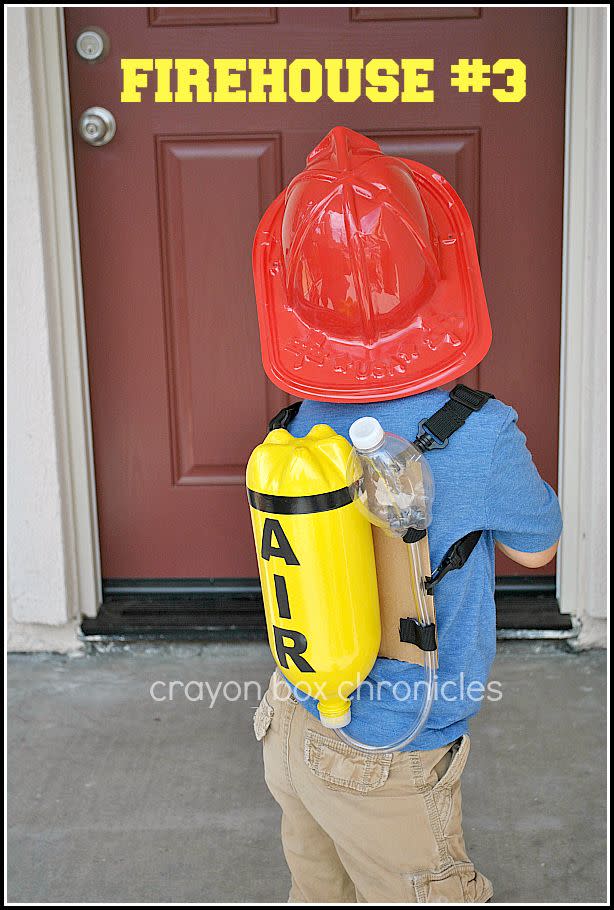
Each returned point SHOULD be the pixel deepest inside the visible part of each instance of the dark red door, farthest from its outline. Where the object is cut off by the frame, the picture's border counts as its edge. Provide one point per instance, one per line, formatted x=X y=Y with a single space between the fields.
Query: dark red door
x=167 y=213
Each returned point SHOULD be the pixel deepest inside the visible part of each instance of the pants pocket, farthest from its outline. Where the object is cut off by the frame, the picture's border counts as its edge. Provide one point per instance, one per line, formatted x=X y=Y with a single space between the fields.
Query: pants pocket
x=262 y=718
x=446 y=792
x=460 y=883
x=344 y=768
x=456 y=766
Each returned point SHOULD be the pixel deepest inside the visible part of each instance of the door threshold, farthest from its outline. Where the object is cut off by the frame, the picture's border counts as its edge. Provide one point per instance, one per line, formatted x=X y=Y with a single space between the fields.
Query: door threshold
x=216 y=610
x=539 y=634
x=231 y=635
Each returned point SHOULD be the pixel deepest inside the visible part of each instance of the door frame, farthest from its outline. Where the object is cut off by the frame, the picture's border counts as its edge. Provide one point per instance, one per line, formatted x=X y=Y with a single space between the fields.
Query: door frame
x=64 y=300
x=581 y=299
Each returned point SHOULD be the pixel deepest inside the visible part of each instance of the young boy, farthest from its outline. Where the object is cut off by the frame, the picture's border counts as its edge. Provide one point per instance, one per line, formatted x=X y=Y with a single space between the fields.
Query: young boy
x=370 y=298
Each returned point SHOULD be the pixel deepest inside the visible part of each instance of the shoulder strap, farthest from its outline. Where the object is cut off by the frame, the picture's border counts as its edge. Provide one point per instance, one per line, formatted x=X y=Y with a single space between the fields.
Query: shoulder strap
x=435 y=431
x=455 y=558
x=283 y=418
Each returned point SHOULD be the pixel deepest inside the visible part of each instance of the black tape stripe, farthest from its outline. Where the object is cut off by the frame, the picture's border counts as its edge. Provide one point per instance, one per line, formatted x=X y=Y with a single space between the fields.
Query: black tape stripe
x=299 y=505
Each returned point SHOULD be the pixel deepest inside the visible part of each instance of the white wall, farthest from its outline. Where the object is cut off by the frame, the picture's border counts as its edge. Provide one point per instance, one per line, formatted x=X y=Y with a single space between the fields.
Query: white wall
x=583 y=458
x=38 y=581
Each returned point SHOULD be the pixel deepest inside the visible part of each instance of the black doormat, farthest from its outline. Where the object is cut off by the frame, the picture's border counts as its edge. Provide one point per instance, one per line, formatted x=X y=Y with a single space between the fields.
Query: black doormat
x=231 y=610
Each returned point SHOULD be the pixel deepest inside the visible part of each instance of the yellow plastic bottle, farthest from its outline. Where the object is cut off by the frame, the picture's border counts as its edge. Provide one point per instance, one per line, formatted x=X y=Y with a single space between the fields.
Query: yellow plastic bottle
x=317 y=566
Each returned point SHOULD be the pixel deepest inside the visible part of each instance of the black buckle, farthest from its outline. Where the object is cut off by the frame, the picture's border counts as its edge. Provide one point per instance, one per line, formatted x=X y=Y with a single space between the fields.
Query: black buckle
x=454 y=561
x=455 y=558
x=425 y=439
x=470 y=398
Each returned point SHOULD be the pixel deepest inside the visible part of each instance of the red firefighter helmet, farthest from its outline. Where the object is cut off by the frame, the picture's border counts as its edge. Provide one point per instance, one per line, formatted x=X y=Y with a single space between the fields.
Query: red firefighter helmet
x=367 y=278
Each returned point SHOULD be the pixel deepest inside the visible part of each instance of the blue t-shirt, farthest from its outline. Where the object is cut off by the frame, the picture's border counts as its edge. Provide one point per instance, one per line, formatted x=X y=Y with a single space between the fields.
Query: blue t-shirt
x=485 y=479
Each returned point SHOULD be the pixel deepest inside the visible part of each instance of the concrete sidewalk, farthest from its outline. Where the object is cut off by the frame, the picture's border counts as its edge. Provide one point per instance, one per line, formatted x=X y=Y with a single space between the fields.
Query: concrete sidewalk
x=114 y=797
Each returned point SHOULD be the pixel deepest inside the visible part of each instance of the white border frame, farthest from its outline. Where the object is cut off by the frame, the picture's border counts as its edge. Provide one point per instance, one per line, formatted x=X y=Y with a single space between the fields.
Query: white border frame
x=580 y=300
x=581 y=576
x=48 y=72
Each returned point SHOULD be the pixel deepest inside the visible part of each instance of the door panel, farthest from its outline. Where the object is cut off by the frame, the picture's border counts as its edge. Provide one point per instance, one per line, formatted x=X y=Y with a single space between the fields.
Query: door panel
x=392 y=14
x=211 y=15
x=167 y=213
x=205 y=296
x=453 y=153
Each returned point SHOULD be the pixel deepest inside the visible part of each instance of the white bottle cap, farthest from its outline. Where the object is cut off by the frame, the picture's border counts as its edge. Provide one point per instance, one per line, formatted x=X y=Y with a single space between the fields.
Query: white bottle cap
x=334 y=723
x=366 y=433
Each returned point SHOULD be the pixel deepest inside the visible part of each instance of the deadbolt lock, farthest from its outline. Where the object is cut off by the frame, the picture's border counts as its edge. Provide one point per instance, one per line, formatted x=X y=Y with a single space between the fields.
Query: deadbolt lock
x=92 y=44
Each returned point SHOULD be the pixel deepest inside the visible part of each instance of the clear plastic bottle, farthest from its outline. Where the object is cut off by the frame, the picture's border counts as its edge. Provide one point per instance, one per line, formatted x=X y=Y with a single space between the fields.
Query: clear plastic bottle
x=390 y=478
x=392 y=483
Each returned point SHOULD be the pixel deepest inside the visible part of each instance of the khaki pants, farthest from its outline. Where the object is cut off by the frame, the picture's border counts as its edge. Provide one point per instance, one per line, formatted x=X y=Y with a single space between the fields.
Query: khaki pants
x=360 y=827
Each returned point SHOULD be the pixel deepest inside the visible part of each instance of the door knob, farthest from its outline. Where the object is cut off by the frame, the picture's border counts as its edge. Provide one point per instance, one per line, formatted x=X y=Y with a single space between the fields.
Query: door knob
x=97 y=126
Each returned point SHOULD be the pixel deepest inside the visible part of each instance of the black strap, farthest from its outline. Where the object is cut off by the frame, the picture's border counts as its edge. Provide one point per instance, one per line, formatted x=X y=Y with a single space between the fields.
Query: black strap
x=413 y=632
x=413 y=535
x=455 y=558
x=283 y=418
x=299 y=505
x=435 y=431
x=410 y=630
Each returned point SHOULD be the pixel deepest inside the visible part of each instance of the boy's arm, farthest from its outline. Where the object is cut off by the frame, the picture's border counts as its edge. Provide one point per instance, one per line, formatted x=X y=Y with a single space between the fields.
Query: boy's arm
x=530 y=560
x=522 y=510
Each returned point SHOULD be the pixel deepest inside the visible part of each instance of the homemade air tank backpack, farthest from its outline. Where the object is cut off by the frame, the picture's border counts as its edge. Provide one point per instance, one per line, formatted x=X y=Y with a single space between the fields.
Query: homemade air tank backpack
x=368 y=288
